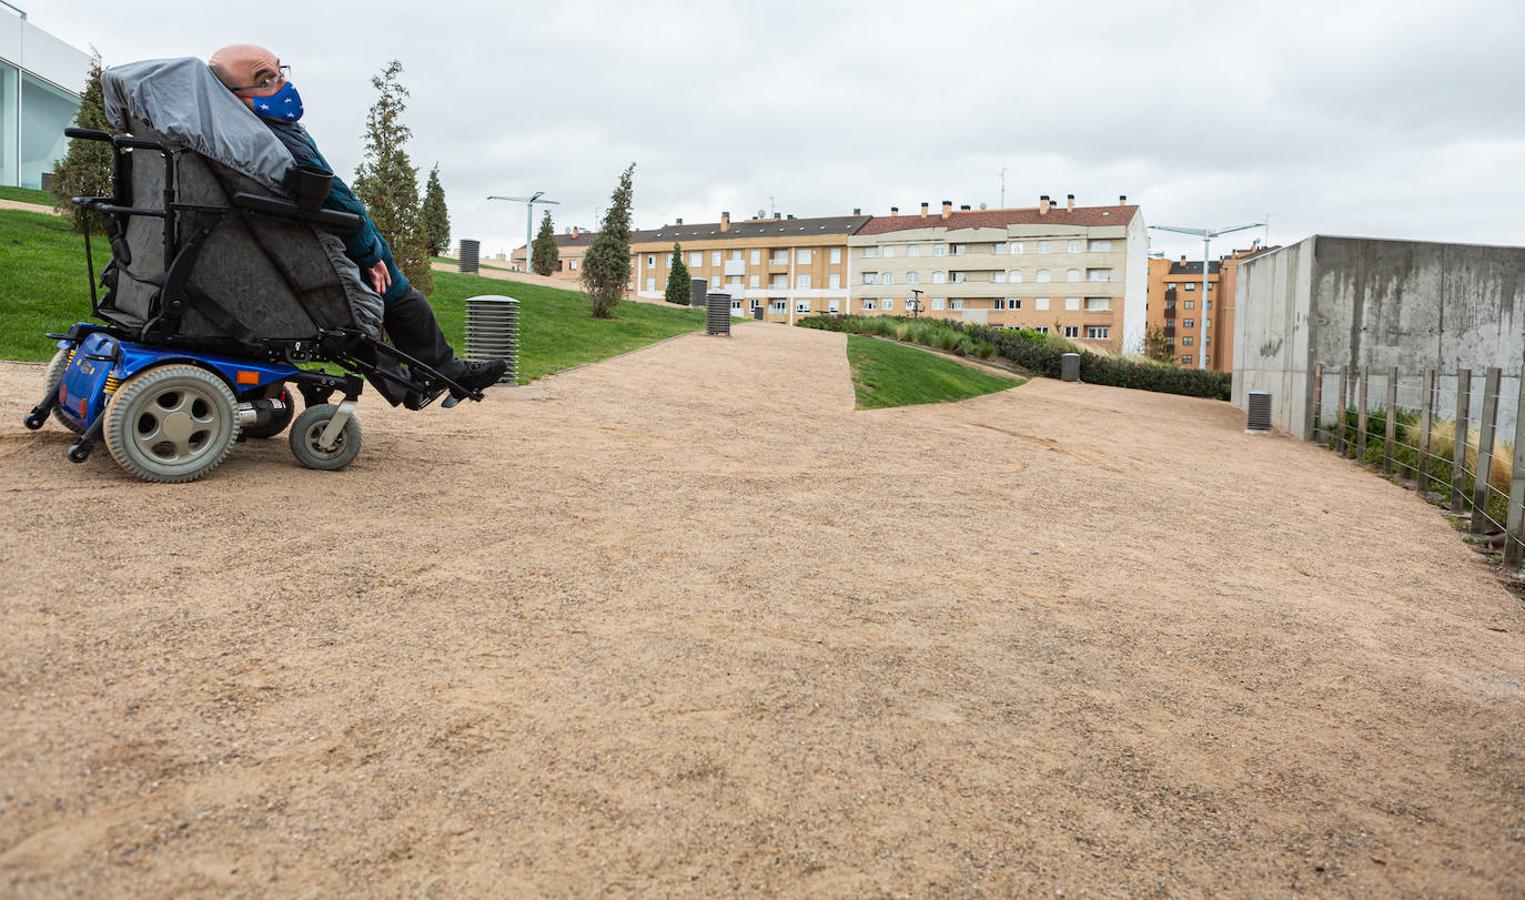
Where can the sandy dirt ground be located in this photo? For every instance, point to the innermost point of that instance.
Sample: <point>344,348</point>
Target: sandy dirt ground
<point>685,623</point>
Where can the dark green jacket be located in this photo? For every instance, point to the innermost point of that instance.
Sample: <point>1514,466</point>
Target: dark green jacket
<point>365,246</point>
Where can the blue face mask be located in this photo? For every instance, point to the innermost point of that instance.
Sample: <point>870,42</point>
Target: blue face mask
<point>285,105</point>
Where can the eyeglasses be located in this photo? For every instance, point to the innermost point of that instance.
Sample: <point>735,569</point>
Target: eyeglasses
<point>282,73</point>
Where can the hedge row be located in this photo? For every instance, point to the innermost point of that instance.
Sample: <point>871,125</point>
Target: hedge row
<point>1039,353</point>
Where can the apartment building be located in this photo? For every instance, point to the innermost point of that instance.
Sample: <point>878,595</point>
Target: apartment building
<point>785,267</point>
<point>571,245</point>
<point>1076,271</point>
<point>1197,324</point>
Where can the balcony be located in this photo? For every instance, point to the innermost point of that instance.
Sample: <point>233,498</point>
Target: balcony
<point>1170,297</point>
<point>1170,311</point>
<point>1170,329</point>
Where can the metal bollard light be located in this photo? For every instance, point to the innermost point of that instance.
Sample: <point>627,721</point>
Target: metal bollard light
<point>471,252</point>
<point>1069,367</point>
<point>492,332</point>
<point>717,316</point>
<point>697,291</point>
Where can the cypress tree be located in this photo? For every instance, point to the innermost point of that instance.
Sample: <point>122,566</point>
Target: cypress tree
<point>678,287</point>
<point>606,267</point>
<point>435,216</point>
<point>544,255</point>
<point>387,181</point>
<point>85,170</point>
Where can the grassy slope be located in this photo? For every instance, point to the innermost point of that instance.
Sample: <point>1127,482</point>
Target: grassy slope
<point>887,374</point>
<point>27,195</point>
<point>43,288</point>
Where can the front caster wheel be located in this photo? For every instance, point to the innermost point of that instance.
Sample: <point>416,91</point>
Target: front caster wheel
<point>34,421</point>
<point>307,439</point>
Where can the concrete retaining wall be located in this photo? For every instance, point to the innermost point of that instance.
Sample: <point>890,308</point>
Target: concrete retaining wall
<point>1378,303</point>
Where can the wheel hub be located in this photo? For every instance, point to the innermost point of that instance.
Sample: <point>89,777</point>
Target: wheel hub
<point>176,425</point>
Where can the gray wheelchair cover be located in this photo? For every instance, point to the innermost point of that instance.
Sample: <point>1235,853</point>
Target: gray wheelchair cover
<point>282,279</point>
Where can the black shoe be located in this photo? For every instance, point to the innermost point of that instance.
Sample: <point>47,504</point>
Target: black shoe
<point>478,375</point>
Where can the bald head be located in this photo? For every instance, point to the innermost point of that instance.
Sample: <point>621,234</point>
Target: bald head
<point>243,67</point>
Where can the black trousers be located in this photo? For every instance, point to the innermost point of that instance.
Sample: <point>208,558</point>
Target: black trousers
<point>410,323</point>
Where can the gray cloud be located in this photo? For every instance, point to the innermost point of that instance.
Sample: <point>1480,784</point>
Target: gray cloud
<point>1380,118</point>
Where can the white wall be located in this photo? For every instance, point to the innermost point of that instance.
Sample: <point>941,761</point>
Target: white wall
<point>1136,285</point>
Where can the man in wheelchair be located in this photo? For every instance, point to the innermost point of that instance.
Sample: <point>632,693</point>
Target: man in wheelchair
<point>256,77</point>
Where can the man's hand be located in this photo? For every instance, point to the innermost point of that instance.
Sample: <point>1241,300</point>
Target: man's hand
<point>381,279</point>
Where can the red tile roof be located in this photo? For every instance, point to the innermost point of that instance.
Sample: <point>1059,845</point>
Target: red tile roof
<point>1000,218</point>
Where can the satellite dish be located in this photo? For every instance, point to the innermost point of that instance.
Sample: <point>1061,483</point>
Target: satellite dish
<point>982,206</point>
<point>762,213</point>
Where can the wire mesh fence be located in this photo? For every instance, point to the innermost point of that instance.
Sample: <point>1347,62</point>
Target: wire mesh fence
<point>1450,435</point>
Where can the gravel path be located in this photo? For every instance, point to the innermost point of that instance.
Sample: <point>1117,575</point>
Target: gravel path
<point>685,623</point>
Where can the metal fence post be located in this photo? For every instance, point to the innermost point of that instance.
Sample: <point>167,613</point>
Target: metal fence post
<point>1482,477</point>
<point>1361,414</point>
<point>1516,524</point>
<point>1344,402</point>
<point>1426,420</point>
<point>1459,457</point>
<point>1318,399</point>
<point>1392,419</point>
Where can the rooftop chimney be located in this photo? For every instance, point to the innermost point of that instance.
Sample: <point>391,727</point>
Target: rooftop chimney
<point>791,216</point>
<point>924,205</point>
<point>1043,205</point>
<point>947,208</point>
<point>894,210</point>
<point>679,222</point>
<point>577,231</point>
<point>1069,201</point>
<point>1122,199</point>
<point>857,210</point>
<point>964,208</point>
<point>725,221</point>
<point>1183,259</point>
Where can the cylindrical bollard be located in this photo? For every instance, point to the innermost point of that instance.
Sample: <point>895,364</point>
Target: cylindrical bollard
<point>697,290</point>
<point>492,332</point>
<point>717,317</point>
<point>471,251</point>
<point>758,312</point>
<point>1258,412</point>
<point>1069,367</point>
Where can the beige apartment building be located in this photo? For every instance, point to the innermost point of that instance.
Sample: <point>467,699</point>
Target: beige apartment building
<point>1080,272</point>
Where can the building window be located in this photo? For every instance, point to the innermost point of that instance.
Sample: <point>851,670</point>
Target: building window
<point>1044,277</point>
<point>754,281</point>
<point>1098,274</point>
<point>1072,275</point>
<point>1101,246</point>
<point>939,277</point>
<point>735,256</point>
<point>956,303</point>
<point>802,282</point>
<point>802,256</point>
<point>1013,302</point>
<point>833,306</point>
<point>870,304</point>
<point>1097,332</point>
<point>802,306</point>
<point>1170,285</point>
<point>1207,304</point>
<point>1098,304</point>
<point>958,277</point>
<point>735,306</point>
<point>939,249</point>
<point>1043,246</point>
<point>1206,341</point>
<point>778,306</point>
<point>870,277</point>
<point>1186,341</point>
<point>886,277</point>
<point>754,304</point>
<point>836,254</point>
<point>574,265</point>
<point>913,250</point>
<point>756,257</point>
<point>1041,329</point>
<point>779,258</point>
<point>1186,359</point>
<point>886,304</point>
<point>1191,285</point>
<point>911,277</point>
<point>1014,276</point>
<point>651,261</point>
<point>960,249</point>
<point>889,252</point>
<point>1072,331</point>
<point>1000,249</point>
<point>1188,323</point>
<point>998,277</point>
<point>1041,304</point>
<point>1189,304</point>
<point>834,281</point>
<point>651,284</point>
<point>870,252</point>
<point>1076,246</point>
<point>695,259</point>
<point>715,282</point>
<point>1017,247</point>
<point>937,303</point>
<point>1072,304</point>
<point>714,257</point>
<point>998,303</point>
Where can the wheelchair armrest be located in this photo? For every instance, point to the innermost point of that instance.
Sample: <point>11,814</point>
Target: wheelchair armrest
<point>285,209</point>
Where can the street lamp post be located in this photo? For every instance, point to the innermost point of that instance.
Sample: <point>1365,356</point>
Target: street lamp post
<point>529,218</point>
<point>1207,235</point>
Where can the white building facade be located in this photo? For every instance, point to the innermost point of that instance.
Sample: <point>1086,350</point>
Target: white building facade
<point>41,78</point>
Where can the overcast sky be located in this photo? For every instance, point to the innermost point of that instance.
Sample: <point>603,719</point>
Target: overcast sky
<point>1390,119</point>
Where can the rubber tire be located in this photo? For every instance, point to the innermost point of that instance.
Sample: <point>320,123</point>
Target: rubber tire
<point>277,425</point>
<point>309,425</point>
<point>53,374</point>
<point>121,414</point>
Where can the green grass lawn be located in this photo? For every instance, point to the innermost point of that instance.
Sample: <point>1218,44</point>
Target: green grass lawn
<point>43,288</point>
<point>887,374</point>
<point>27,195</point>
